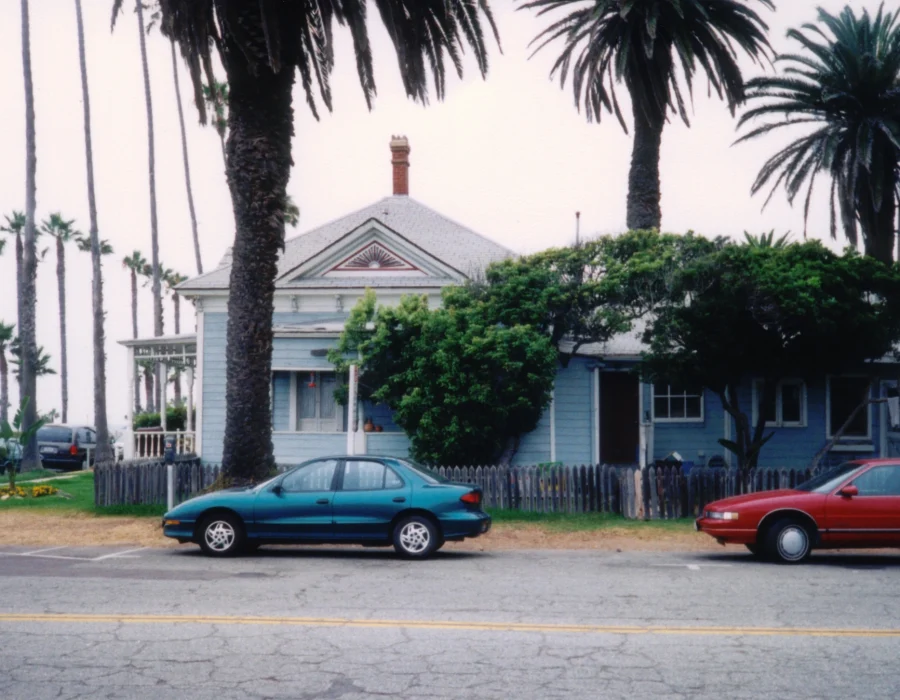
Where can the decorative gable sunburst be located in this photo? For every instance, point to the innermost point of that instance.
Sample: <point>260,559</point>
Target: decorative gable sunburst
<point>374,257</point>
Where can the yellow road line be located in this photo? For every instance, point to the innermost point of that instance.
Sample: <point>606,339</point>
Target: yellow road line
<point>448,625</point>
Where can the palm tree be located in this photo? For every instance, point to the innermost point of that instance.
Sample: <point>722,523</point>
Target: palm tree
<point>83,243</point>
<point>845,85</point>
<point>42,367</point>
<point>154,227</point>
<point>216,98</point>
<point>135,263</point>
<point>27,302</point>
<point>61,229</point>
<point>172,280</point>
<point>97,249</point>
<point>262,45</point>
<point>647,45</point>
<point>7,333</point>
<point>15,226</point>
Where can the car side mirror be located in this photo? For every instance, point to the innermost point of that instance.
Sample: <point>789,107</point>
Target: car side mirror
<point>278,489</point>
<point>849,491</point>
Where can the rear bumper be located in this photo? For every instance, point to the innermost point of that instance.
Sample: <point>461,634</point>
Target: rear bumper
<point>465,524</point>
<point>62,461</point>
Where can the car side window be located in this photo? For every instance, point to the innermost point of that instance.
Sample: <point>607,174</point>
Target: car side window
<point>83,436</point>
<point>879,481</point>
<point>317,476</point>
<point>361,475</point>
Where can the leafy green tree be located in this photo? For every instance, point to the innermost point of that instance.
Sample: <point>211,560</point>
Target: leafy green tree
<point>262,46</point>
<point>842,91</point>
<point>464,387</point>
<point>654,47</point>
<point>770,313</point>
<point>63,231</point>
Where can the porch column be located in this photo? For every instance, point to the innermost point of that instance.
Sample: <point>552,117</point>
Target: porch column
<point>190,399</point>
<point>352,408</point>
<point>595,415</point>
<point>128,452</point>
<point>163,400</point>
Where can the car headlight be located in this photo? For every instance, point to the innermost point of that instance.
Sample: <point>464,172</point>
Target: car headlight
<point>716,515</point>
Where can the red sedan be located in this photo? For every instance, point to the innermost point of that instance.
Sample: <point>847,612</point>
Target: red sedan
<point>854,505</point>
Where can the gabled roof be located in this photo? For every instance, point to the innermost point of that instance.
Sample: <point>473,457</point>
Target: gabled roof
<point>435,235</point>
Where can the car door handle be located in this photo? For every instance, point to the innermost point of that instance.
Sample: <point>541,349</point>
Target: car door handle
<point>400,499</point>
<point>323,502</point>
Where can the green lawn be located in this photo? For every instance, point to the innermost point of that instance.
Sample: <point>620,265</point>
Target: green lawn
<point>584,522</point>
<point>76,494</point>
<point>36,474</point>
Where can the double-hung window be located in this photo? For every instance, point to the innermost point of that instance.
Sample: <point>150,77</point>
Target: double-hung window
<point>845,394</point>
<point>785,408</point>
<point>316,407</point>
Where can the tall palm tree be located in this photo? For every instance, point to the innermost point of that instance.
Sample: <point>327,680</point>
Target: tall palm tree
<point>216,98</point>
<point>15,226</point>
<point>654,47</point>
<point>173,279</point>
<point>7,333</point>
<point>135,264</point>
<point>96,248</point>
<point>63,231</point>
<point>844,86</point>
<point>27,304</point>
<point>42,366</point>
<point>154,224</point>
<point>262,44</point>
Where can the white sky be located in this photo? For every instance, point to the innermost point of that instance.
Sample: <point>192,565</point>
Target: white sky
<point>510,157</point>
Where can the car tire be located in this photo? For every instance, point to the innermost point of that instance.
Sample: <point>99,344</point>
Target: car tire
<point>755,550</point>
<point>416,537</point>
<point>788,541</point>
<point>221,535</point>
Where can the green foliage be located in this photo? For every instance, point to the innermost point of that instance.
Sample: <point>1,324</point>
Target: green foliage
<point>176,419</point>
<point>23,436</point>
<point>464,386</point>
<point>843,90</point>
<point>771,312</point>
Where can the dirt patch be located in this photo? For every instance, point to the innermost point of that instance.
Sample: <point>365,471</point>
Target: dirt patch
<point>39,529</point>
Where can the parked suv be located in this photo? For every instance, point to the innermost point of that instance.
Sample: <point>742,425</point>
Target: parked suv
<point>66,446</point>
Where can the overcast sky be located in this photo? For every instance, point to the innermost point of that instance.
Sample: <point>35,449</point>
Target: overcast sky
<point>509,156</point>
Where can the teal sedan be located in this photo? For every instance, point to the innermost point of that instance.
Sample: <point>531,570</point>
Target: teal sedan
<point>372,501</point>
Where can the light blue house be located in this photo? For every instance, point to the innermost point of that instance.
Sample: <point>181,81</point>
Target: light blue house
<point>601,411</point>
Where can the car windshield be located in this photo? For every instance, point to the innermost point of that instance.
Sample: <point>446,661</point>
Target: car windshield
<point>427,474</point>
<point>54,434</point>
<point>829,480</point>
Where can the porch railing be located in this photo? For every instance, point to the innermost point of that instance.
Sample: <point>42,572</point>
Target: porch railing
<point>152,444</point>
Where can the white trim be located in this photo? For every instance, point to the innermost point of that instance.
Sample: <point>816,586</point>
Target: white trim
<point>779,403</point>
<point>692,419</point>
<point>128,452</point>
<point>292,408</point>
<point>595,416</point>
<point>859,447</point>
<point>884,419</point>
<point>828,431</point>
<point>201,334</point>
<point>553,424</point>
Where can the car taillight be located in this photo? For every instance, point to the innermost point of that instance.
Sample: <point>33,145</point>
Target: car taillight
<point>73,450</point>
<point>473,497</point>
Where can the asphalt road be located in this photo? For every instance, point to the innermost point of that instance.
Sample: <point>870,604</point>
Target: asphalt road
<point>354,623</point>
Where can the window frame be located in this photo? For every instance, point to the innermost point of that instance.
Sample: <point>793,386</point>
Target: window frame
<point>687,419</point>
<point>829,428</point>
<point>387,468</point>
<point>293,422</point>
<point>779,421</point>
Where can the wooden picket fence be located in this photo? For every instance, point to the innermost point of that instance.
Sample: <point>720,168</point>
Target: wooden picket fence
<point>656,493</point>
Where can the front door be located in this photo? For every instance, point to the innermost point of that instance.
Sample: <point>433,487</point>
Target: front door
<point>872,517</point>
<point>299,506</point>
<point>619,418</point>
<point>369,495</point>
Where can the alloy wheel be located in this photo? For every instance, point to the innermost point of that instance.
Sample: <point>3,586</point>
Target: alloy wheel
<point>219,536</point>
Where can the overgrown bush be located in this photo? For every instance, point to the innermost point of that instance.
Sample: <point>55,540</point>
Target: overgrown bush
<point>176,419</point>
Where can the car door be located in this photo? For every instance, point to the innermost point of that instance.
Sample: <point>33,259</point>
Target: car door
<point>298,506</point>
<point>873,516</point>
<point>369,495</point>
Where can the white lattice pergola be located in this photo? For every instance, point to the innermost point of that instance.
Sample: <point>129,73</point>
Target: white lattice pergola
<point>169,351</point>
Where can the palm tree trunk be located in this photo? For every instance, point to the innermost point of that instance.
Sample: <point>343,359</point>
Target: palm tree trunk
<point>187,166</point>
<point>148,388</point>
<point>20,261</point>
<point>104,450</point>
<point>643,178</point>
<point>63,359</point>
<point>4,387</point>
<point>27,320</point>
<point>878,226</point>
<point>134,334</point>
<point>259,163</point>
<point>176,302</point>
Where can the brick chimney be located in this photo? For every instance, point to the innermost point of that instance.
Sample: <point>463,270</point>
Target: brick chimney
<point>400,163</point>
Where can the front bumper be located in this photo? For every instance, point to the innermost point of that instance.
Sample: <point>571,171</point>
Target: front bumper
<point>725,532</point>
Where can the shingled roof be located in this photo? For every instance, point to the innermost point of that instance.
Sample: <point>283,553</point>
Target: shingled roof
<point>436,235</point>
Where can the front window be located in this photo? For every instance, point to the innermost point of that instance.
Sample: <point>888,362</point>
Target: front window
<point>829,480</point>
<point>879,481</point>
<point>317,476</point>
<point>785,408</point>
<point>672,402</point>
<point>845,394</point>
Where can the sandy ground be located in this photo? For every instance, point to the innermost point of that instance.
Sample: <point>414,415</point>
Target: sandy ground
<point>24,528</point>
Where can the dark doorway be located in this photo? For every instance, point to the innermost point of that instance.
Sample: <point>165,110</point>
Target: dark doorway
<point>619,418</point>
